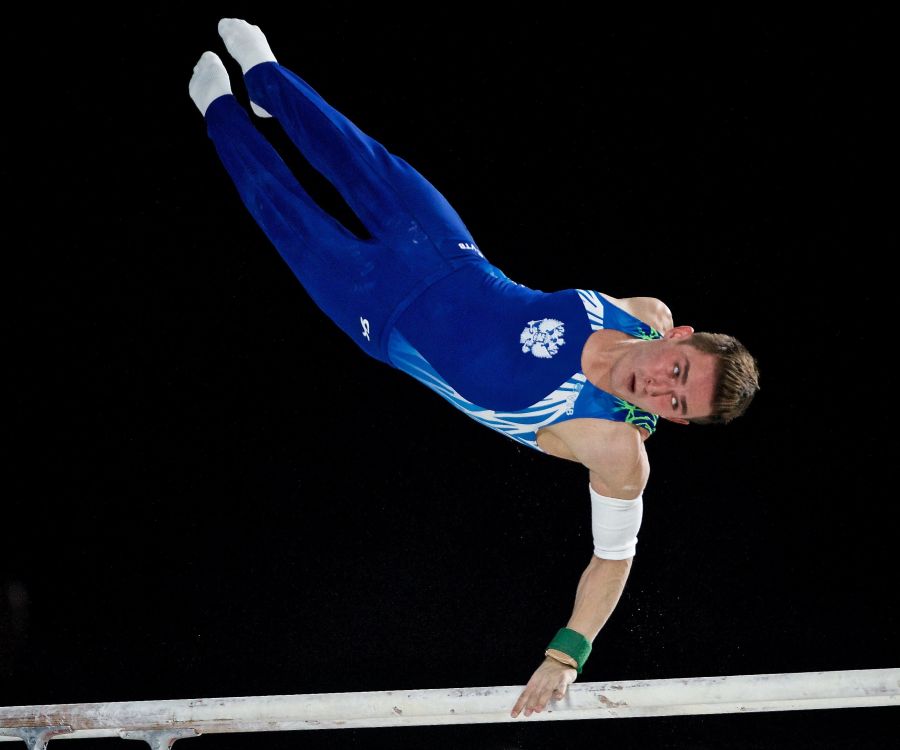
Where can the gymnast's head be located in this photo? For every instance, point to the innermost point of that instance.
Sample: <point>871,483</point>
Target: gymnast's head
<point>689,377</point>
<point>736,376</point>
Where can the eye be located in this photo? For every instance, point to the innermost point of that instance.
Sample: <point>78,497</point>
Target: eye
<point>676,371</point>
<point>674,402</point>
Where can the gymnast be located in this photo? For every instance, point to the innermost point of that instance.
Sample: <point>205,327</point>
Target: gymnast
<point>576,374</point>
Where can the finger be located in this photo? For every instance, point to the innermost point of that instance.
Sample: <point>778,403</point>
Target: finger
<point>519,704</point>
<point>546,698</point>
<point>540,702</point>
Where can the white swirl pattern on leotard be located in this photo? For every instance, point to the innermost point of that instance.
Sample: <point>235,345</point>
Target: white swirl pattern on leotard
<point>518,425</point>
<point>593,304</point>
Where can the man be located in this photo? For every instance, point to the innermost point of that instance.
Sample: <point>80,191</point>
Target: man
<point>576,374</point>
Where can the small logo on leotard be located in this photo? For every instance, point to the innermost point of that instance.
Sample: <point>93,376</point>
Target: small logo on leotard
<point>571,397</point>
<point>365,327</point>
<point>543,337</point>
<point>469,246</point>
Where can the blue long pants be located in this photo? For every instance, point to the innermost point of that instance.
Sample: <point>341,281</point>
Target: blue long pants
<point>363,285</point>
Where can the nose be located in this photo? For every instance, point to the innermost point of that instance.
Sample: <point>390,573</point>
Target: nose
<point>660,384</point>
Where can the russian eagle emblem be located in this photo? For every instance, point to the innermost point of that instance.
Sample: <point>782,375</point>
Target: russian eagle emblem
<point>543,337</point>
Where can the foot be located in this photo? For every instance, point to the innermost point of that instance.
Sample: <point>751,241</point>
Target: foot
<point>209,82</point>
<point>246,44</point>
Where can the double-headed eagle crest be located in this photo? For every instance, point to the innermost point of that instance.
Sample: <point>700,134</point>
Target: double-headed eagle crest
<point>543,337</point>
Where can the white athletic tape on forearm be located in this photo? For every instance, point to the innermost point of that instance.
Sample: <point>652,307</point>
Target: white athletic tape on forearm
<point>615,525</point>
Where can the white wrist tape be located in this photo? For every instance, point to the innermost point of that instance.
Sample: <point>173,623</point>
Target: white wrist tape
<point>615,525</point>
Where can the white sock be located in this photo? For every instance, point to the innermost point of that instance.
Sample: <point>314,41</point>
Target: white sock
<point>248,45</point>
<point>209,82</point>
<point>245,43</point>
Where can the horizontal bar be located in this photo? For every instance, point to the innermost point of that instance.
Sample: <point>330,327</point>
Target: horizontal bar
<point>474,705</point>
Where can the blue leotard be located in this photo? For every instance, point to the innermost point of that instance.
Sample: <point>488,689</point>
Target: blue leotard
<point>510,356</point>
<point>418,293</point>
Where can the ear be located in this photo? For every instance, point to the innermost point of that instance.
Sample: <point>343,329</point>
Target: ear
<point>679,332</point>
<point>676,420</point>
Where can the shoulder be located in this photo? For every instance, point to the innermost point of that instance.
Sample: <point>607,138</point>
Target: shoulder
<point>613,452</point>
<point>587,437</point>
<point>652,311</point>
<point>602,439</point>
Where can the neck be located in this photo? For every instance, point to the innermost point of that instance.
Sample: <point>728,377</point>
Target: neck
<point>603,352</point>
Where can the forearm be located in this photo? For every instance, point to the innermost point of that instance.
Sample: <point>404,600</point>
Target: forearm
<point>598,593</point>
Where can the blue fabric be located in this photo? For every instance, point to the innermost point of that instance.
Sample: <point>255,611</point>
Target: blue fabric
<point>361,284</point>
<point>417,294</point>
<point>510,356</point>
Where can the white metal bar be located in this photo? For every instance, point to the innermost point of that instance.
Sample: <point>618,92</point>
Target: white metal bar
<point>475,705</point>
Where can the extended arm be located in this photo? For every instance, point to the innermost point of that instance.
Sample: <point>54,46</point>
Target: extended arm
<point>616,490</point>
<point>598,593</point>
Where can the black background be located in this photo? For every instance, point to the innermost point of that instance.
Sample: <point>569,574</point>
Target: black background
<point>212,492</point>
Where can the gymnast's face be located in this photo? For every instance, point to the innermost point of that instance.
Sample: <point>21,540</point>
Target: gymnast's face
<point>668,376</point>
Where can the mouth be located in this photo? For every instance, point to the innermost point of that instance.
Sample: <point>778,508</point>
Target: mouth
<point>631,383</point>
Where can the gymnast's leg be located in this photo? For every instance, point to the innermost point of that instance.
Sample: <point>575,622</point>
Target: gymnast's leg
<point>390,197</point>
<point>330,262</point>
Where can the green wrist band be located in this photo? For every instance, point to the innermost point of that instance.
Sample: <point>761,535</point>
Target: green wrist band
<point>572,643</point>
